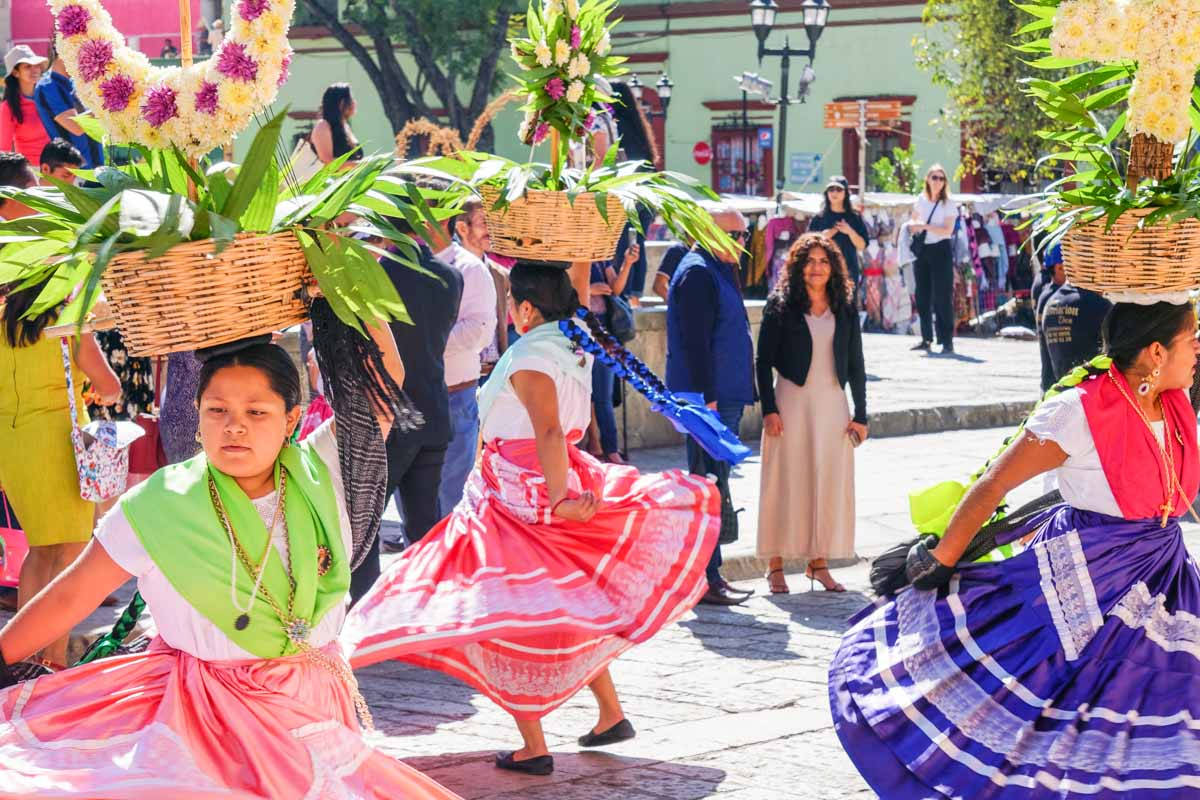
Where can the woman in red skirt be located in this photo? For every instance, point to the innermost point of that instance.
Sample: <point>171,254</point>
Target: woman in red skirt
<point>553,563</point>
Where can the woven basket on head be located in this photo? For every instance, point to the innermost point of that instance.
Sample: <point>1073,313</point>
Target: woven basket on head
<point>546,226</point>
<point>193,297</point>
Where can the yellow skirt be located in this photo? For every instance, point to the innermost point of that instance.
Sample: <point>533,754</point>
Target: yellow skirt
<point>37,472</point>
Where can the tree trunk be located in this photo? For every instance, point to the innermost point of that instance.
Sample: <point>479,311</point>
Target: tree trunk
<point>1149,158</point>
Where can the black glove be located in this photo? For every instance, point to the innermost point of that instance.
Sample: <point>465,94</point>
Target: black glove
<point>923,570</point>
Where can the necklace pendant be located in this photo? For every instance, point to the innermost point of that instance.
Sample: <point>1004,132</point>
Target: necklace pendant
<point>324,560</point>
<point>242,622</point>
<point>297,630</point>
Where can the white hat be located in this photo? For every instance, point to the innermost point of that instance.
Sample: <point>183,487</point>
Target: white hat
<point>21,54</point>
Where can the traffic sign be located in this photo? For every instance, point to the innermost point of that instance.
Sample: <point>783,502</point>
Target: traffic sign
<point>849,113</point>
<point>702,152</point>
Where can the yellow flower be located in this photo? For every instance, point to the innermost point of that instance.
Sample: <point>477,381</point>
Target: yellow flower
<point>580,67</point>
<point>552,8</point>
<point>236,97</point>
<point>542,51</point>
<point>575,91</point>
<point>604,45</point>
<point>572,8</point>
<point>562,52</point>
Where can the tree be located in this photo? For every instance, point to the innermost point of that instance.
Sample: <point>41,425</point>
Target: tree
<point>456,44</point>
<point>967,48</point>
<point>898,174</point>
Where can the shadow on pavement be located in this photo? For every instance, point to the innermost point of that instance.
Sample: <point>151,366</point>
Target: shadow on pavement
<point>827,611</point>
<point>400,694</point>
<point>956,357</point>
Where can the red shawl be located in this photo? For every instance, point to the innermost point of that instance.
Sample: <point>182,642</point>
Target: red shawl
<point>1129,452</point>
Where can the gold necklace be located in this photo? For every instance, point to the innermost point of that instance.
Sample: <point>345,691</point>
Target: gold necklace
<point>1168,457</point>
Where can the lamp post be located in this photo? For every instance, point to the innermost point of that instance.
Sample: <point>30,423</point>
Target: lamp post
<point>750,83</point>
<point>663,86</point>
<point>762,19</point>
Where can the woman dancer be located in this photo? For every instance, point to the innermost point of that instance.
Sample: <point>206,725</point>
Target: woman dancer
<point>1072,669</point>
<point>554,563</point>
<point>244,555</point>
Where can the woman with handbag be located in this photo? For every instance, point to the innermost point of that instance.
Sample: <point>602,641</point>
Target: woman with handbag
<point>810,336</point>
<point>605,291</point>
<point>932,227</point>
<point>37,462</point>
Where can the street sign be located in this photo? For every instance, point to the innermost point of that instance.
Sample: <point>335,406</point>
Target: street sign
<point>702,153</point>
<point>849,113</point>
<point>804,168</point>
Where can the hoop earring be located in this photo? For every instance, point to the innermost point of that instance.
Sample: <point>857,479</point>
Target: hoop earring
<point>198,438</point>
<point>1149,382</point>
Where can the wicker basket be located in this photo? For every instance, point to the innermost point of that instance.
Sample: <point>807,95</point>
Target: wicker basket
<point>193,297</point>
<point>1159,258</point>
<point>545,226</point>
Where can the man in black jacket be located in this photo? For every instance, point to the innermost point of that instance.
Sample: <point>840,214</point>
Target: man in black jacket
<point>415,458</point>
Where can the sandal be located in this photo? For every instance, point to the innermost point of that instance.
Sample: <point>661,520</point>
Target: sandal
<point>781,587</point>
<point>813,570</point>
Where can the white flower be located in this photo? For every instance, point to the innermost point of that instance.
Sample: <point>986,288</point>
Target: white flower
<point>542,51</point>
<point>580,67</point>
<point>562,52</point>
<point>552,8</point>
<point>526,128</point>
<point>575,91</point>
<point>572,9</point>
<point>604,45</point>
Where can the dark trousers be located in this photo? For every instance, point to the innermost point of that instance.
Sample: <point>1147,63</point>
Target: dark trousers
<point>414,475</point>
<point>934,273</point>
<point>602,400</point>
<point>701,463</point>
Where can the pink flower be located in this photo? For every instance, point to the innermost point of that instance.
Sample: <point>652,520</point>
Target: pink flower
<point>589,120</point>
<point>160,106</point>
<point>285,71</point>
<point>206,98</point>
<point>541,133</point>
<point>233,62</point>
<point>116,92</point>
<point>576,37</point>
<point>73,20</point>
<point>555,88</point>
<point>251,10</point>
<point>94,57</point>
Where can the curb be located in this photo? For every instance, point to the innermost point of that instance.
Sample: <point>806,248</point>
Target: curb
<point>935,419</point>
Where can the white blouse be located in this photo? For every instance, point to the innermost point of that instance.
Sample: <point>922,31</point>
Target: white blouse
<point>508,419</point>
<point>1081,477</point>
<point>179,624</point>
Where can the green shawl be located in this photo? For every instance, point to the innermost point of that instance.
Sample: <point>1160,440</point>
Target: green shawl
<point>173,516</point>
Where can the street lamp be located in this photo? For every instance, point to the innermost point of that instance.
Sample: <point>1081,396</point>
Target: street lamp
<point>750,83</point>
<point>664,86</point>
<point>762,20</point>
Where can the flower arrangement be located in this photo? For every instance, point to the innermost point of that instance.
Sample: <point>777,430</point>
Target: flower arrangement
<point>195,109</point>
<point>568,45</point>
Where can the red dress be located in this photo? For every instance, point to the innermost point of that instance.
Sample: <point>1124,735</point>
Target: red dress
<point>529,608</point>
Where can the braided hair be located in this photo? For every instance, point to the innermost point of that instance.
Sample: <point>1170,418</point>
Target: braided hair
<point>609,351</point>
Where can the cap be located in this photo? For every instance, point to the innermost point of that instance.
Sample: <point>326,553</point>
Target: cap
<point>838,180</point>
<point>22,54</point>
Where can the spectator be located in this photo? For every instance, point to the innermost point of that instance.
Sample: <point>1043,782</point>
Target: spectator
<point>169,50</point>
<point>668,265</point>
<point>501,340</point>
<point>635,139</point>
<point>216,35</point>
<point>810,336</point>
<point>606,282</point>
<point>21,130</point>
<point>331,136</point>
<point>37,464</point>
<point>57,105</point>
<point>1071,320</point>
<point>470,336</point>
<point>178,419</point>
<point>415,458</point>
<point>838,220</point>
<point>58,158</point>
<point>203,45</point>
<point>710,352</point>
<point>934,215</point>
<point>1052,278</point>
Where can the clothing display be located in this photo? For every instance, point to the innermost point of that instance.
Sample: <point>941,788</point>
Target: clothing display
<point>780,235</point>
<point>522,605</point>
<point>1066,671</point>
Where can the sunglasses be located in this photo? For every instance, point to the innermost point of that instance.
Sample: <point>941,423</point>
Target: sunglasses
<point>739,236</point>
<point>937,177</point>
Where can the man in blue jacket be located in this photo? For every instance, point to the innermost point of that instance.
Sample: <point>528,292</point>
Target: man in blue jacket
<point>710,352</point>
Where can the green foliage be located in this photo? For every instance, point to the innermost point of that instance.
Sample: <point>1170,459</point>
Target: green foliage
<point>898,174</point>
<point>145,207</point>
<point>968,48</point>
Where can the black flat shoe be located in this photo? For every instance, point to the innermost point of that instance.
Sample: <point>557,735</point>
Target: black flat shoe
<point>731,589</point>
<point>720,596</point>
<point>923,345</point>
<point>617,733</point>
<point>538,765</point>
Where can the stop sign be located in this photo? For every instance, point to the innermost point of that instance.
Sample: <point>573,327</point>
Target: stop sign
<point>702,153</point>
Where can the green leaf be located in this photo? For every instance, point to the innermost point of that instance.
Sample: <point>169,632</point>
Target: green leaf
<point>254,168</point>
<point>260,214</point>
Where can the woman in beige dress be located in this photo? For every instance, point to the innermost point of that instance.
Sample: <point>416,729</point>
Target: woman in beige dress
<point>809,348</point>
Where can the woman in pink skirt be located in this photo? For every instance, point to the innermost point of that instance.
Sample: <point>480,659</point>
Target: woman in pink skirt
<point>554,563</point>
<point>243,554</point>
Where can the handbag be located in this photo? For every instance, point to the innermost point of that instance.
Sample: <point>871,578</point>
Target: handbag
<point>917,242</point>
<point>146,455</point>
<point>101,450</point>
<point>13,546</point>
<point>618,318</point>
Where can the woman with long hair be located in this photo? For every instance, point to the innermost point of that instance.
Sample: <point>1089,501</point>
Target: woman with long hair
<point>21,128</point>
<point>932,223</point>
<point>1071,669</point>
<point>840,222</point>
<point>243,554</point>
<point>331,136</point>
<point>635,137</point>
<point>809,348</point>
<point>554,563</point>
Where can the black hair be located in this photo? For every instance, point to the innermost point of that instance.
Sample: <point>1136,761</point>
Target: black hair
<point>14,171</point>
<point>468,208</point>
<point>630,127</point>
<point>847,206</point>
<point>60,153</point>
<point>12,96</point>
<point>333,111</point>
<point>270,359</point>
<point>1129,328</point>
<point>25,332</point>
<point>546,285</point>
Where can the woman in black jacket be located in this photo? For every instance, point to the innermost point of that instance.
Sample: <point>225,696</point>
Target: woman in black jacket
<point>810,336</point>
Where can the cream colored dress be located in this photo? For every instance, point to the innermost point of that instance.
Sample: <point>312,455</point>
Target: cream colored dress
<point>806,499</point>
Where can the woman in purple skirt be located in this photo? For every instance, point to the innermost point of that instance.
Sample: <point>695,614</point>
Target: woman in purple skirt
<point>1071,670</point>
